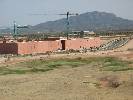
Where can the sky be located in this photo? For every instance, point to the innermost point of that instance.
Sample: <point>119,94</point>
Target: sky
<point>23,11</point>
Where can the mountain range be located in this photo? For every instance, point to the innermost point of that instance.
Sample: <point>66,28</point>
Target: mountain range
<point>92,21</point>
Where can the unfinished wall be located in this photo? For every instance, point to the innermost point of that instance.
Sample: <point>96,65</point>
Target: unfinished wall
<point>8,48</point>
<point>32,47</point>
<point>83,43</point>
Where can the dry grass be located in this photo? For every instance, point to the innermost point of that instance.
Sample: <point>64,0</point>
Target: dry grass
<point>34,66</point>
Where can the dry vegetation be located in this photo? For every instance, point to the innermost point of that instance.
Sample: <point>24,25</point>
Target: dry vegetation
<point>42,65</point>
<point>68,78</point>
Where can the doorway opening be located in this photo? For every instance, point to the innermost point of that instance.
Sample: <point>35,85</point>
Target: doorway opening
<point>63,44</point>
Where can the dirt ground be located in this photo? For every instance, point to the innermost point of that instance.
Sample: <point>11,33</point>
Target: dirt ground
<point>69,83</point>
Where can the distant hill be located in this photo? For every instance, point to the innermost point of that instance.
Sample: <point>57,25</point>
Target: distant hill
<point>96,21</point>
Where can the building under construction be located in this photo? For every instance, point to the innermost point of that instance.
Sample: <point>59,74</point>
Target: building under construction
<point>51,44</point>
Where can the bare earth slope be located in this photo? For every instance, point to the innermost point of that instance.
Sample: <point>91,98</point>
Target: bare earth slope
<point>64,84</point>
<point>129,45</point>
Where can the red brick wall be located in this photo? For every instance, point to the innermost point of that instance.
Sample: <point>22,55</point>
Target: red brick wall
<point>83,43</point>
<point>43,46</point>
<point>8,48</point>
<point>37,46</point>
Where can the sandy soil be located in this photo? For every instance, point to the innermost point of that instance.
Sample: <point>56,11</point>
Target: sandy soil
<point>65,84</point>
